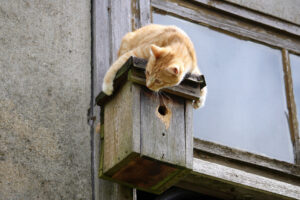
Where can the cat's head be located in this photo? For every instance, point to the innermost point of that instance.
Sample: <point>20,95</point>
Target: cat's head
<point>164,68</point>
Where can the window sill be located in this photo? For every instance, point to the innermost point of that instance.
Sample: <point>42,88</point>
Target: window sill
<point>233,174</point>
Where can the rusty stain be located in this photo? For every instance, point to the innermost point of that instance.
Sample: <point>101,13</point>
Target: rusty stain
<point>166,117</point>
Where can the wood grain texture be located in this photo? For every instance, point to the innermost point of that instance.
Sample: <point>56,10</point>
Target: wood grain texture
<point>136,118</point>
<point>246,179</point>
<point>253,16</point>
<point>222,189</point>
<point>107,18</point>
<point>221,153</point>
<point>189,134</point>
<point>229,24</point>
<point>158,141</point>
<point>293,122</point>
<point>145,12</point>
<point>117,134</point>
<point>120,23</point>
<point>100,63</point>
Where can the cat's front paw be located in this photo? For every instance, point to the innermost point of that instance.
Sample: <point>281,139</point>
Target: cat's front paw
<point>197,104</point>
<point>107,88</point>
<point>200,102</point>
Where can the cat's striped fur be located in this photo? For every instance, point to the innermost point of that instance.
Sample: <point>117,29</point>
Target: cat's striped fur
<point>170,54</point>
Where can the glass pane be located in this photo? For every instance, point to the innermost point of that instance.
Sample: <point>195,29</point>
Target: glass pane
<point>246,104</point>
<point>295,68</point>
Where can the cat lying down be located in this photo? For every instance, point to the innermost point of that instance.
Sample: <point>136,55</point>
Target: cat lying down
<point>170,54</point>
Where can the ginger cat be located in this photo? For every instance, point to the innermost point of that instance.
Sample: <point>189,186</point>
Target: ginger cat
<point>170,54</point>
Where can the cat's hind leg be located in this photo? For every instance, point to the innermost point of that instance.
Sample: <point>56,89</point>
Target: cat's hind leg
<point>107,86</point>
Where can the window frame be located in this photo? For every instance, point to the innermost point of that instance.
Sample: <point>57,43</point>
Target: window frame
<point>260,28</point>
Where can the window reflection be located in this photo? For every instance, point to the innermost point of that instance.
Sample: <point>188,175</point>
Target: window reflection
<point>295,68</point>
<point>246,105</point>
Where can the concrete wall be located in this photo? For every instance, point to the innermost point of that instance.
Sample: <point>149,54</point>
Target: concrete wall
<point>285,9</point>
<point>44,96</point>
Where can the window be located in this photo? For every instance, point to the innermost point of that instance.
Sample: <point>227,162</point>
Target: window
<point>246,132</point>
<point>246,106</point>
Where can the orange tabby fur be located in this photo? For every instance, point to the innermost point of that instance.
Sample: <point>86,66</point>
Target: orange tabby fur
<point>170,54</point>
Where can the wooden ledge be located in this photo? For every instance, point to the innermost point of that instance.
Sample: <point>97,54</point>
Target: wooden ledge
<point>134,70</point>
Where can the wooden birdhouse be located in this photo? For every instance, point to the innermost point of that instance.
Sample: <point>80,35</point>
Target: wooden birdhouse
<point>146,138</point>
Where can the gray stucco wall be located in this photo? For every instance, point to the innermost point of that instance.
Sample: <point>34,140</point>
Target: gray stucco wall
<point>44,96</point>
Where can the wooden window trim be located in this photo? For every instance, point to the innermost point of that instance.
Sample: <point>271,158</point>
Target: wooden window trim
<point>232,182</point>
<point>246,13</point>
<point>241,173</point>
<point>230,24</point>
<point>219,153</point>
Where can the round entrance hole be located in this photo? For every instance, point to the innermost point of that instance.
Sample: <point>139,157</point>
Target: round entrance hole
<point>162,110</point>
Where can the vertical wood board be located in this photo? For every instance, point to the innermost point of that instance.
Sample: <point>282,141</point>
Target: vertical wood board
<point>118,128</point>
<point>145,12</point>
<point>157,141</point>
<point>100,63</point>
<point>136,118</point>
<point>120,24</point>
<point>189,134</point>
<point>108,17</point>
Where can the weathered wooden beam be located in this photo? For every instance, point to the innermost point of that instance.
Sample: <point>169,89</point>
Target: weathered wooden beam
<point>221,153</point>
<point>252,15</point>
<point>293,122</point>
<point>227,23</point>
<point>274,188</point>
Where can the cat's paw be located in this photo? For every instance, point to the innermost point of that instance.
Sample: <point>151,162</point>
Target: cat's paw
<point>107,88</point>
<point>197,104</point>
<point>200,102</point>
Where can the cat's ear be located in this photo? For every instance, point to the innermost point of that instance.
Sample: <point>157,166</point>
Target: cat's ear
<point>157,51</point>
<point>174,70</point>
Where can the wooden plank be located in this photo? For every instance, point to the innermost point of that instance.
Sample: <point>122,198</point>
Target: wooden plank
<point>100,62</point>
<point>188,115</point>
<point>222,190</point>
<point>245,179</point>
<point>117,134</point>
<point>136,118</point>
<point>293,122</point>
<point>103,16</point>
<point>145,12</point>
<point>184,90</point>
<point>253,16</point>
<point>162,135</point>
<point>289,11</point>
<point>121,192</point>
<point>228,24</point>
<point>219,152</point>
<point>120,23</point>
